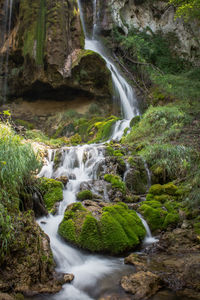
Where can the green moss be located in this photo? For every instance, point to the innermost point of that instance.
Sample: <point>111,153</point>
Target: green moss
<point>24,123</point>
<point>156,189</point>
<point>90,237</point>
<point>170,188</point>
<point>52,191</point>
<point>171,219</point>
<point>134,121</point>
<point>117,230</point>
<point>67,230</point>
<point>154,216</point>
<point>76,139</point>
<point>84,195</point>
<point>110,151</point>
<point>116,182</point>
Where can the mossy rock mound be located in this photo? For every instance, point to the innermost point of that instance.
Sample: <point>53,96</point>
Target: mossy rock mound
<point>116,182</point>
<point>52,191</point>
<point>111,229</point>
<point>85,195</point>
<point>161,206</point>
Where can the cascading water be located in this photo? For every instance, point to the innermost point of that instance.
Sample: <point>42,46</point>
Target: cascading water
<point>95,275</point>
<point>4,47</point>
<point>123,92</point>
<point>81,164</point>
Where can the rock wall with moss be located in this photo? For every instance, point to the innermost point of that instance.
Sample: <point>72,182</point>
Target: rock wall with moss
<point>46,45</point>
<point>152,16</point>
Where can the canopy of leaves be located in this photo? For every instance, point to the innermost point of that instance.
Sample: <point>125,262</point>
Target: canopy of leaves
<point>188,9</point>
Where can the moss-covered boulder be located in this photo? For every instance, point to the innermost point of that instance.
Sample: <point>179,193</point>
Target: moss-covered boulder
<point>52,191</point>
<point>136,178</point>
<point>103,228</point>
<point>84,195</point>
<point>161,208</point>
<point>116,182</point>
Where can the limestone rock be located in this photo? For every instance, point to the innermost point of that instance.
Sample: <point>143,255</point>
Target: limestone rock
<point>68,278</point>
<point>142,284</point>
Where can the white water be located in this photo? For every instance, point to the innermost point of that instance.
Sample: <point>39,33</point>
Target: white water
<point>95,275</point>
<point>149,239</point>
<point>80,163</point>
<point>122,91</point>
<point>8,7</point>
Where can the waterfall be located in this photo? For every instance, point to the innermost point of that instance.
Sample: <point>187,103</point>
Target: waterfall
<point>123,93</point>
<point>4,47</point>
<point>95,275</point>
<point>80,163</point>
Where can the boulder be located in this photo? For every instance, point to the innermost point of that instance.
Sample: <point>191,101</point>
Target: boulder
<point>142,285</point>
<point>101,227</point>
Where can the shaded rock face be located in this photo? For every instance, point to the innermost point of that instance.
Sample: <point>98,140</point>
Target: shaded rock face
<point>29,266</point>
<point>158,16</point>
<point>46,52</point>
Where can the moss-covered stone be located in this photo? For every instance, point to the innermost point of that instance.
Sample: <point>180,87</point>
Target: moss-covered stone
<point>116,230</point>
<point>84,195</point>
<point>52,191</point>
<point>155,217</point>
<point>116,182</point>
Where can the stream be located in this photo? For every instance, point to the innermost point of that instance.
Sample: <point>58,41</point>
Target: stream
<point>95,275</point>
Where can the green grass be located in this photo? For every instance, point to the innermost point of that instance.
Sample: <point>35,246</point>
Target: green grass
<point>17,159</point>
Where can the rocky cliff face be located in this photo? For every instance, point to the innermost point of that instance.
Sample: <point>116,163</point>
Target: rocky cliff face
<point>46,51</point>
<point>154,16</point>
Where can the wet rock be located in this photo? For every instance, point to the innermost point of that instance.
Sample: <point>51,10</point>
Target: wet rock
<point>29,267</point>
<point>102,227</point>
<point>68,278</point>
<point>64,179</point>
<point>138,261</point>
<point>142,285</point>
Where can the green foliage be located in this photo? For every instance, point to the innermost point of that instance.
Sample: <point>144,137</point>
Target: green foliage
<point>51,190</point>
<point>161,206</point>
<point>85,195</point>
<point>17,160</point>
<point>110,151</point>
<point>117,230</point>
<point>116,182</point>
<point>187,9</point>
<point>174,160</point>
<point>154,216</point>
<point>24,123</point>
<point>182,86</point>
<point>6,231</point>
<point>151,48</point>
<point>156,120</point>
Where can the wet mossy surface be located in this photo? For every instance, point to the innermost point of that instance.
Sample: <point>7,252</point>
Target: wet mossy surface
<point>161,208</point>
<point>84,195</point>
<point>117,230</point>
<point>51,190</point>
